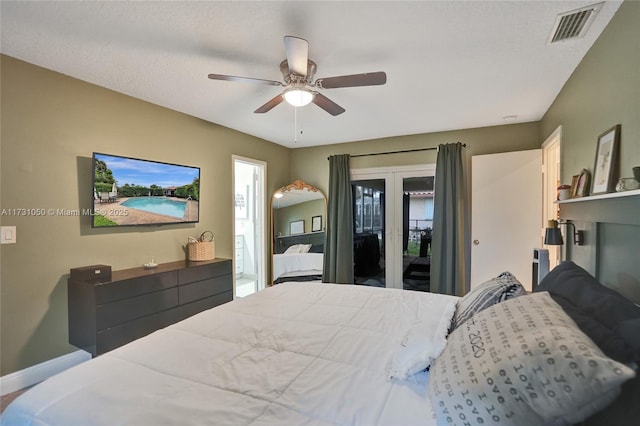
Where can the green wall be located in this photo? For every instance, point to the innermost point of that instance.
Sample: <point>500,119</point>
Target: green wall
<point>51,124</point>
<point>311,165</point>
<point>303,211</point>
<point>603,91</point>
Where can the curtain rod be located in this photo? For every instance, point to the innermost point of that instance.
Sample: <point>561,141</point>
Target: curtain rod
<point>464,145</point>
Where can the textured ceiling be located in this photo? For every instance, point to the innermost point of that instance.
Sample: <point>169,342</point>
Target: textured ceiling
<point>450,65</point>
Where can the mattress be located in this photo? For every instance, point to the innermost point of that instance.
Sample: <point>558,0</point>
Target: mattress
<point>295,353</point>
<point>303,263</point>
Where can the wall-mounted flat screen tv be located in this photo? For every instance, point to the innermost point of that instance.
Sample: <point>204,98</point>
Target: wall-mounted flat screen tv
<point>132,191</point>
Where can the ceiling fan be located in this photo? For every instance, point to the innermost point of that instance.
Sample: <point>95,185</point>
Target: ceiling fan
<point>298,72</point>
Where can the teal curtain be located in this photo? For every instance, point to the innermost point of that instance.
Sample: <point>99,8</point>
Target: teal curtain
<point>450,259</point>
<point>338,248</point>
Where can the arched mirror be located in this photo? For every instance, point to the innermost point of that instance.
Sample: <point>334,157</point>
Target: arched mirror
<point>298,217</point>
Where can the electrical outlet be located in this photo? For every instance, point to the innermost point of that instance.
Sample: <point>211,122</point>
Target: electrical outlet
<point>7,234</point>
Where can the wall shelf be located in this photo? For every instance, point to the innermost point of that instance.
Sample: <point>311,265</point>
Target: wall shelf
<point>615,207</point>
<point>601,196</point>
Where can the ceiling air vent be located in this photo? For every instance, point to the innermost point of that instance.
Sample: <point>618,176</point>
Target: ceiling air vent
<point>573,24</point>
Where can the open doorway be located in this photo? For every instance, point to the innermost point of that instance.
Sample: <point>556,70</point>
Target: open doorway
<point>550,182</point>
<point>249,225</point>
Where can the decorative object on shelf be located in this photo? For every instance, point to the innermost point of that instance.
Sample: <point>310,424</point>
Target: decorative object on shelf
<point>553,236</point>
<point>627,184</point>
<point>151,265</point>
<point>605,167</point>
<point>574,185</point>
<point>564,192</point>
<point>316,223</point>
<point>636,173</point>
<point>296,227</point>
<point>582,187</point>
<point>202,248</point>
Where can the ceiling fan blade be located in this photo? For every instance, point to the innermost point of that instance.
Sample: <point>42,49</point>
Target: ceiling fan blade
<point>327,104</point>
<point>244,79</point>
<point>270,104</point>
<point>297,54</point>
<point>353,80</point>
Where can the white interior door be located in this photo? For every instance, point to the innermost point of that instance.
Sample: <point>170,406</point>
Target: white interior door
<point>506,205</point>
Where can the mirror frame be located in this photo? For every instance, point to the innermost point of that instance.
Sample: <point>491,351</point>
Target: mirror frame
<point>296,185</point>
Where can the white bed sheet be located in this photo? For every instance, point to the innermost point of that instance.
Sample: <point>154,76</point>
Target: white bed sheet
<point>295,353</point>
<point>296,262</point>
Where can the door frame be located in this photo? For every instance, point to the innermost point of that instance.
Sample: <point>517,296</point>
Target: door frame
<point>393,229</point>
<point>260,237</point>
<point>549,192</point>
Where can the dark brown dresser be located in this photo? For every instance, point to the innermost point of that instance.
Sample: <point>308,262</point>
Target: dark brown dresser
<point>107,310</point>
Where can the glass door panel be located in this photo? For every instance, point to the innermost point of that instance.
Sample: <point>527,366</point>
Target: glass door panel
<point>417,226</point>
<point>368,237</point>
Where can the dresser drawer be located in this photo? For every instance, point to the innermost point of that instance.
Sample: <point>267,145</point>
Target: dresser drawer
<point>203,304</point>
<point>198,273</point>
<point>122,311</point>
<point>201,289</point>
<point>109,292</point>
<point>114,337</point>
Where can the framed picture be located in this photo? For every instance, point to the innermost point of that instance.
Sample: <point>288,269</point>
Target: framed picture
<point>604,169</point>
<point>584,178</point>
<point>296,227</point>
<point>316,223</point>
<point>241,197</point>
<point>574,185</point>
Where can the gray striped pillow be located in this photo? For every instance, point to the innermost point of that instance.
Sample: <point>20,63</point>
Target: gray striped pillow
<point>504,286</point>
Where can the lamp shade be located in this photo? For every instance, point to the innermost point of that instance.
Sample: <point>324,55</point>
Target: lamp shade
<point>298,97</point>
<point>552,234</point>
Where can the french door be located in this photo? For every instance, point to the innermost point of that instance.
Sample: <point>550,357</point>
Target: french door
<point>393,219</point>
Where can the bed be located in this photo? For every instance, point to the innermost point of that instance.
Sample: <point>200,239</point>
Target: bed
<point>295,353</point>
<point>290,266</point>
<point>321,354</point>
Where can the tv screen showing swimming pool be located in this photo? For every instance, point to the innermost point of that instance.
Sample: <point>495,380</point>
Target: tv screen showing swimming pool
<point>131,191</point>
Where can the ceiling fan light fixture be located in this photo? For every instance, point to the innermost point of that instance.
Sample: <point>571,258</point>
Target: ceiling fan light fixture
<point>298,97</point>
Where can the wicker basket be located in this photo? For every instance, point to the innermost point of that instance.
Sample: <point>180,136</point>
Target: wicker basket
<point>202,250</point>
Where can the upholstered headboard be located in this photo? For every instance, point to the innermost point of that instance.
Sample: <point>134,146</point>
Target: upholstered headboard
<point>611,251</point>
<point>316,239</point>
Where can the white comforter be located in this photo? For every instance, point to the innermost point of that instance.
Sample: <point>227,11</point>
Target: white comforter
<point>297,262</point>
<point>295,353</point>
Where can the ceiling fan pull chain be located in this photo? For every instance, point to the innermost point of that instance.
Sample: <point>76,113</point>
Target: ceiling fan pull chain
<point>295,124</point>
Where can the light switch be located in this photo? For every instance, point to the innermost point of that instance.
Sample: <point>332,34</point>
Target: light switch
<point>7,235</point>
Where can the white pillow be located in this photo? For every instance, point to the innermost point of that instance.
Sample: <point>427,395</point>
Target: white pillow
<point>298,248</point>
<point>522,362</point>
<point>304,248</point>
<point>294,249</point>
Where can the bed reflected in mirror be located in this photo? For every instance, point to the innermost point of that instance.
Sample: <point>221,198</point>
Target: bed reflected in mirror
<point>298,216</point>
